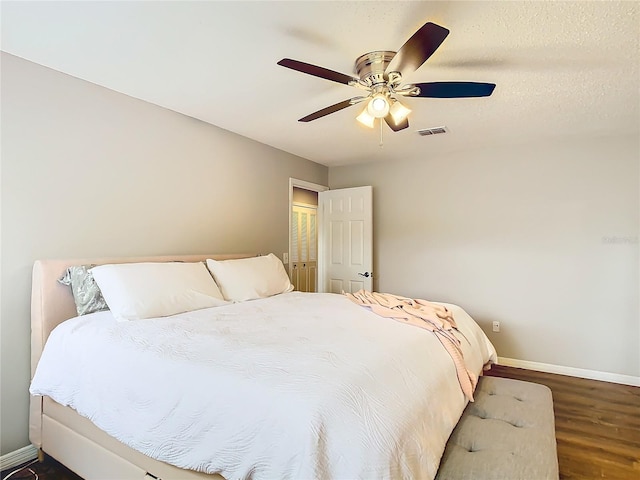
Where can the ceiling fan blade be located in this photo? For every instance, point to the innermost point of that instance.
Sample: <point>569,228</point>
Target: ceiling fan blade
<point>317,71</point>
<point>417,49</point>
<point>455,89</point>
<point>332,109</point>
<point>396,127</point>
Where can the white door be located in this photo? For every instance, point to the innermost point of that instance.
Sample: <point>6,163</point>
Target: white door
<point>346,240</point>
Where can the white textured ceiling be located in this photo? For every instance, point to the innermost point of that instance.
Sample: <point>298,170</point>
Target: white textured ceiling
<point>561,68</point>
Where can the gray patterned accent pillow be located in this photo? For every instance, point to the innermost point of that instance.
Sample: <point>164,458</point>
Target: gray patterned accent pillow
<point>86,292</point>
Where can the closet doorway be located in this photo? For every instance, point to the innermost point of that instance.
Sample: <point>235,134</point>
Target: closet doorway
<point>303,235</point>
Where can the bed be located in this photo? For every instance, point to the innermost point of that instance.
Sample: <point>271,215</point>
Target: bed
<point>333,404</point>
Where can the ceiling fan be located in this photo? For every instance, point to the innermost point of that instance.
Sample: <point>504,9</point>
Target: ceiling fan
<point>380,74</point>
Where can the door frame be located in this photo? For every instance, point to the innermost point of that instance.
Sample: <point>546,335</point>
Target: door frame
<point>314,187</point>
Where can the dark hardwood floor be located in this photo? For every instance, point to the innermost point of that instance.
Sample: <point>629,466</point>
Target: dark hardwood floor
<point>47,470</point>
<point>597,428</point>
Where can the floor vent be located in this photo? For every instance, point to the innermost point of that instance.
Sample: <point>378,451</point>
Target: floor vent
<point>432,131</point>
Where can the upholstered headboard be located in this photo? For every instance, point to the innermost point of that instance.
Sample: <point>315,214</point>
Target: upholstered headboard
<point>52,303</point>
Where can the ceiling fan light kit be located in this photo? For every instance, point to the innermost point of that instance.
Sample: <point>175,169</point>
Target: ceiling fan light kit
<point>398,111</point>
<point>378,106</point>
<point>366,119</point>
<point>380,74</point>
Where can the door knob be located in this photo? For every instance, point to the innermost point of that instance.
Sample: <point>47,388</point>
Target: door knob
<point>365,274</point>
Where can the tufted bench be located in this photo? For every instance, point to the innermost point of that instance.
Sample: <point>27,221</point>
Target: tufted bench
<point>508,433</point>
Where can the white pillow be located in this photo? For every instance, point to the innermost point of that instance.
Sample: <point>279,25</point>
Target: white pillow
<point>250,278</point>
<point>147,290</point>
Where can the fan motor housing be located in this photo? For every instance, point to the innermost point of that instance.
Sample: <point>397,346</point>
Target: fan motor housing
<point>371,66</point>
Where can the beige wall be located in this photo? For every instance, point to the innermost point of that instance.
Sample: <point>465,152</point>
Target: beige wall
<point>90,172</point>
<point>543,238</point>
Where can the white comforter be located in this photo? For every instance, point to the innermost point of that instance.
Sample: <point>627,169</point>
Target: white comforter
<point>301,386</point>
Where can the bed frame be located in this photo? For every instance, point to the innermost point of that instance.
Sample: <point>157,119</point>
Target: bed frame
<point>528,451</point>
<point>59,431</point>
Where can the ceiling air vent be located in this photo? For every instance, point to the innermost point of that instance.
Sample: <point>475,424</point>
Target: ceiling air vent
<point>432,131</point>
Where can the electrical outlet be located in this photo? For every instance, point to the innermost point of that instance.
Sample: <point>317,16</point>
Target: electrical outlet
<point>496,326</point>
<point>285,258</point>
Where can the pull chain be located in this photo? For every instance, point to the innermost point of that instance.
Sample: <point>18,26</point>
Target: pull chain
<point>381,130</point>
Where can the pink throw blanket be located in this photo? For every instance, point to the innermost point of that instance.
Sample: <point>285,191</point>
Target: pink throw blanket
<point>423,314</point>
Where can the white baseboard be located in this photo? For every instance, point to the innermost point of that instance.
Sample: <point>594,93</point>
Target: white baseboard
<point>18,457</point>
<point>571,371</point>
